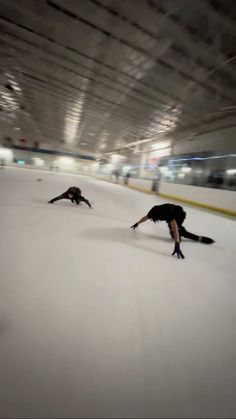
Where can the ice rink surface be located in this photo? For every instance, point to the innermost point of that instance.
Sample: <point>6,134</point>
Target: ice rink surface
<point>97,320</point>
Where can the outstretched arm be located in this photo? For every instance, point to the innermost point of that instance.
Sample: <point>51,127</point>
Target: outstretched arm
<point>142,220</point>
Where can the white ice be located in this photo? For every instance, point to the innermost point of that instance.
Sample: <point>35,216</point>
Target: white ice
<point>97,320</point>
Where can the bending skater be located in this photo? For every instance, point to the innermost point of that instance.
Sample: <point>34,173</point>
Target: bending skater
<point>174,215</point>
<point>74,194</point>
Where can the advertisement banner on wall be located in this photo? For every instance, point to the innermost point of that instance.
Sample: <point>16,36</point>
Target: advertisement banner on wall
<point>152,162</point>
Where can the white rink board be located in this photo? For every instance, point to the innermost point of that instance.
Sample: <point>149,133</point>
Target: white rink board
<point>219,198</point>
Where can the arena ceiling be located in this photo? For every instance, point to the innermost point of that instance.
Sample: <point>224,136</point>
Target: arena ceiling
<point>97,75</point>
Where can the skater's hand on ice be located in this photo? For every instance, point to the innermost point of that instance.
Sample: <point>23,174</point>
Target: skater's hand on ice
<point>134,226</point>
<point>50,202</point>
<point>177,251</point>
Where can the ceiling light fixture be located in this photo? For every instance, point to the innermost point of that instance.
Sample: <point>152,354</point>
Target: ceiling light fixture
<point>66,160</point>
<point>231,172</point>
<point>186,169</point>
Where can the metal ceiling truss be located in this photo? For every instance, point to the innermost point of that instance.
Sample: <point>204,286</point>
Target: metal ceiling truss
<point>115,74</point>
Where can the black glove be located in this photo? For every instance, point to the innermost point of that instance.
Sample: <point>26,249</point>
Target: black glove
<point>50,202</point>
<point>177,251</point>
<point>134,226</point>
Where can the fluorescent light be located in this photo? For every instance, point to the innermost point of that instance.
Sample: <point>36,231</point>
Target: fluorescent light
<point>72,124</point>
<point>203,158</point>
<point>6,154</point>
<point>38,161</point>
<point>231,172</point>
<point>161,145</point>
<point>186,169</point>
<point>66,160</point>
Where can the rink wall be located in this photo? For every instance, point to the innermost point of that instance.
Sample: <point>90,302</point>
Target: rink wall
<point>43,159</point>
<point>219,200</point>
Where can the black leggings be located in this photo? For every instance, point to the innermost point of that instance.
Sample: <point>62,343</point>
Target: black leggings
<point>182,231</point>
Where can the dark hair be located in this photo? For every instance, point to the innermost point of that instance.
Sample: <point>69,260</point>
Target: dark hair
<point>154,220</point>
<point>153,215</point>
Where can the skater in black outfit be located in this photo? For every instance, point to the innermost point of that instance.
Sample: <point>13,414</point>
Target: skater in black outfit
<point>174,215</point>
<point>74,194</point>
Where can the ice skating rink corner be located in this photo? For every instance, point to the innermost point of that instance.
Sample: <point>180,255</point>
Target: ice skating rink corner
<point>97,320</point>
